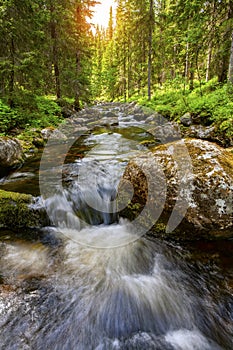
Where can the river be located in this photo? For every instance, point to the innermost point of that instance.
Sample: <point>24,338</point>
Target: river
<point>89,281</point>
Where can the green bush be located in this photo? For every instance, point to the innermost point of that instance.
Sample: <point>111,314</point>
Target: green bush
<point>29,111</point>
<point>8,118</point>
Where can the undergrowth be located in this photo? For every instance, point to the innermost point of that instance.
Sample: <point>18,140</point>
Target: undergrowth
<point>209,103</point>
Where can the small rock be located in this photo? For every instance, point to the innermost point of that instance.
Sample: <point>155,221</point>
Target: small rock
<point>202,132</point>
<point>110,115</point>
<point>186,119</point>
<point>52,133</point>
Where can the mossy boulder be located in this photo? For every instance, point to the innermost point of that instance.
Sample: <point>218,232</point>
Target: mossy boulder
<point>186,187</point>
<point>17,210</point>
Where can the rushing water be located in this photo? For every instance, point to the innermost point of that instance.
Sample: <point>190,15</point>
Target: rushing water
<point>89,282</point>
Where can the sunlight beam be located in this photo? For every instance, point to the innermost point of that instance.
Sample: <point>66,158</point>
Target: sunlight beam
<point>101,13</point>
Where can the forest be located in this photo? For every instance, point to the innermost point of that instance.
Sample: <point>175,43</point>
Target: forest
<point>116,175</point>
<point>174,56</point>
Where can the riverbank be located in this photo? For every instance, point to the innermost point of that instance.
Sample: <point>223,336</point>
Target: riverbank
<point>204,112</point>
<point>205,182</point>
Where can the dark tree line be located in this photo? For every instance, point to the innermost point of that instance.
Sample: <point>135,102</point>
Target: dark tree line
<point>45,48</point>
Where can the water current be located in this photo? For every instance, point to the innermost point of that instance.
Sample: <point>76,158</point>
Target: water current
<point>89,281</point>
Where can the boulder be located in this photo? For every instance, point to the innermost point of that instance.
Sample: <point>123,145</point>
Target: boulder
<point>11,153</point>
<point>54,134</point>
<point>19,210</point>
<point>186,187</point>
<point>166,132</point>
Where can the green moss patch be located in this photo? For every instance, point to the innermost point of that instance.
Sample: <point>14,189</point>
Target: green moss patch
<point>15,211</point>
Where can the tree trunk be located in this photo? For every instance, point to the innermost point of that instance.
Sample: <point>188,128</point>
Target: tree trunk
<point>77,105</point>
<point>55,59</point>
<point>12,73</point>
<point>124,79</point>
<point>150,49</point>
<point>230,70</point>
<point>224,72</point>
<point>191,76</point>
<point>209,57</point>
<point>186,62</point>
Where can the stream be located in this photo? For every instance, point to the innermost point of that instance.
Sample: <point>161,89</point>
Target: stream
<point>89,281</point>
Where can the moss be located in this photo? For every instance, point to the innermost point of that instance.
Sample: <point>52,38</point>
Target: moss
<point>131,211</point>
<point>15,211</point>
<point>148,143</point>
<point>38,142</point>
<point>26,140</point>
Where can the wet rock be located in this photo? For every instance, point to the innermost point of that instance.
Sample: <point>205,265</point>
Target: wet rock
<point>110,115</point>
<point>108,122</point>
<point>19,210</point>
<point>167,132</point>
<point>81,129</point>
<point>80,121</point>
<point>201,132</point>
<point>11,153</point>
<point>139,117</point>
<point>154,118</point>
<point>190,182</point>
<point>54,134</point>
<point>186,119</point>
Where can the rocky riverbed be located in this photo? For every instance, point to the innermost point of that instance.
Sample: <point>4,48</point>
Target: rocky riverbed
<point>191,180</point>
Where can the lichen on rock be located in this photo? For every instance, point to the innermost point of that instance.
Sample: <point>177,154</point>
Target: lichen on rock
<point>198,189</point>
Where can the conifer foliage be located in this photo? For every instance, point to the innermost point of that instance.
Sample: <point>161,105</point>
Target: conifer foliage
<point>49,47</point>
<point>155,42</point>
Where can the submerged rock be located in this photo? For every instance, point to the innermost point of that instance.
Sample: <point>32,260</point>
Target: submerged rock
<point>18,210</point>
<point>11,153</point>
<point>189,182</point>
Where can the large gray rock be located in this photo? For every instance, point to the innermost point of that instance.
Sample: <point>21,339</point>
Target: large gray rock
<point>189,182</point>
<point>11,153</point>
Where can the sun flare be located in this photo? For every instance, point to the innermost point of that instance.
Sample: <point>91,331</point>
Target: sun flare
<point>101,13</point>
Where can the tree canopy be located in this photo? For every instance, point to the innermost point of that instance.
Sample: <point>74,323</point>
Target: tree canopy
<point>49,47</point>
